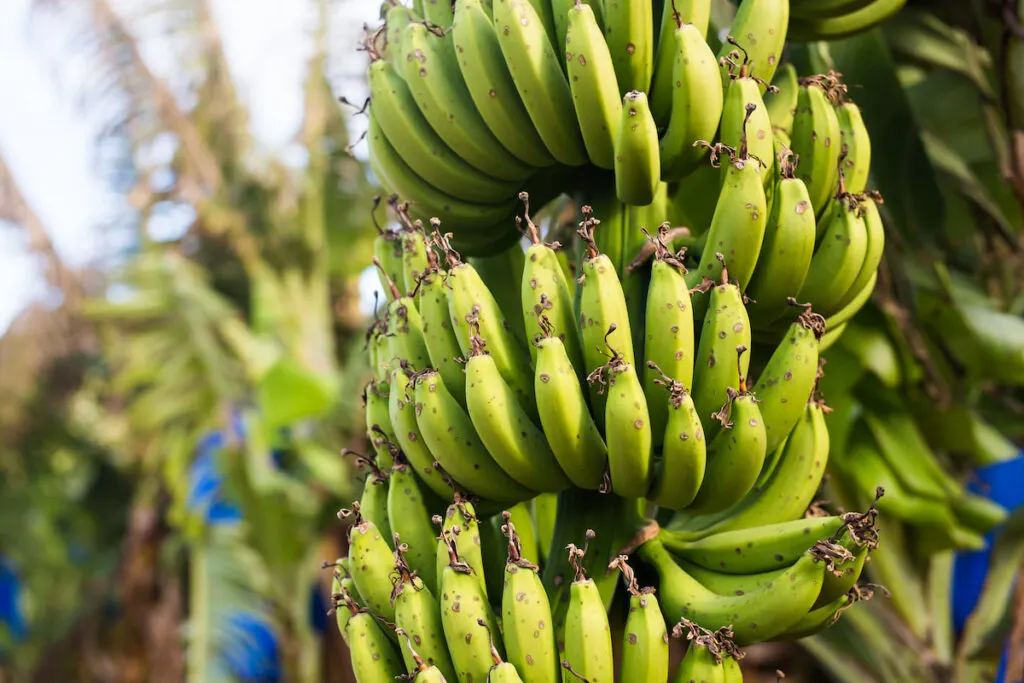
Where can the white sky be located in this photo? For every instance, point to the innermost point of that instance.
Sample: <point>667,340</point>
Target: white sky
<point>46,137</point>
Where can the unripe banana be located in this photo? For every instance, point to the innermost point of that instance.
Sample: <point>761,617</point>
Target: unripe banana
<point>595,91</point>
<point>438,12</point>
<point>373,504</point>
<point>669,339</point>
<point>396,19</point>
<point>696,13</point>
<point>731,671</point>
<point>497,270</point>
<point>875,231</point>
<point>745,122</point>
<point>405,331</point>
<point>856,143</point>
<point>402,409</point>
<point>717,364</point>
<point>839,258</point>
<point>412,138</point>
<point>817,620</point>
<point>627,426</point>
<point>451,437</point>
<point>418,618</point>
<point>387,248</point>
<point>759,29</point>
<point>547,299</point>
<point>816,140</point>
<point>787,249</point>
<point>683,453</point>
<point>588,640</point>
<point>463,603</point>
<point>415,263</point>
<point>378,422</point>
<point>787,381</point>
<point>438,332</point>
<point>374,659</point>
<point>694,99</point>
<point>702,662</point>
<point>735,456</point>
<point>629,31</point>
<point>431,69</point>
<point>461,523</point>
<point>527,623</point>
<point>420,671</point>
<point>342,587</point>
<point>410,520</point>
<point>505,429</point>
<point>755,616</point>
<point>469,299</point>
<point>645,642</point>
<point>490,83</point>
<point>561,8</point>
<point>536,69</point>
<point>602,306</point>
<point>570,430</point>
<point>637,164</point>
<point>370,564</point>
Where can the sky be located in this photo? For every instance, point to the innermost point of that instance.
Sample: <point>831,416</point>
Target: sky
<point>46,135</point>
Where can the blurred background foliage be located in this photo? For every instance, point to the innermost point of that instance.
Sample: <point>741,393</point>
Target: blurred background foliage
<point>170,434</point>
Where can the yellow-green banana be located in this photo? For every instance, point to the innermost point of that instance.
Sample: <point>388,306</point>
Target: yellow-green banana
<point>629,31</point>
<point>839,258</point>
<point>637,164</point>
<point>373,504</point>
<point>387,248</point>
<point>669,336</point>
<point>373,655</point>
<point>781,103</point>
<point>461,524</point>
<point>645,642</point>
<point>856,144</point>
<point>419,669</point>
<point>497,270</point>
<point>816,140</point>
<point>875,231</point>
<point>431,69</point>
<point>595,92</point>
<point>378,422</point>
<point>402,410</point>
<point>683,452</point>
<point>418,616</point>
<point>702,662</point>
<point>537,72</point>
<point>505,429</point>
<point>451,437</point>
<point>438,333</point>
<point>414,258</point>
<point>438,12</point>
<point>745,123</point>
<point>422,149</point>
<point>759,28</point>
<point>410,520</point>
<point>370,563</point>
<point>588,640</point>
<point>675,15</point>
<point>693,100</point>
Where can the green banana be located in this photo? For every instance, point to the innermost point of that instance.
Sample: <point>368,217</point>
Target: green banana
<point>787,249</point>
<point>875,232</point>
<point>373,504</point>
<point>419,670</point>
<point>735,456</point>
<point>785,385</point>
<point>745,123</point>
<point>544,509</point>
<point>449,434</point>
<point>675,16</point>
<point>570,430</point>
<point>560,10</point>
<point>602,308</point>
<point>838,259</point>
<point>426,154</point>
<point>418,618</point>
<point>595,92</point>
<point>405,330</point>
<point>373,656</point>
<point>781,104</point>
<point>546,297</point>
<point>402,410</point>
<point>438,12</point>
<point>432,72</point>
<point>756,549</point>
<point>760,30</point>
<point>737,227</point>
<point>693,101</point>
<point>731,671</point>
<point>588,640</point>
<point>378,422</point>
<point>491,86</point>
<point>834,28</point>
<point>817,140</point>
<point>756,615</point>
<point>442,344</point>
<point>463,603</point>
<point>428,202</point>
<point>637,164</point>
<point>702,662</point>
<point>396,19</point>
<point>717,365</point>
<point>627,426</point>
<point>669,340</point>
<point>527,624</point>
<point>817,620</point>
<point>821,9</point>
<point>410,520</point>
<point>505,429</point>
<point>415,262</point>
<point>629,32</point>
<point>387,248</point>
<point>496,271</point>
<point>342,587</point>
<point>684,451</point>
<point>856,144</point>
<point>370,563</point>
<point>537,73</point>
<point>852,307</point>
<point>645,642</point>
<point>471,302</point>
<point>461,523</point>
